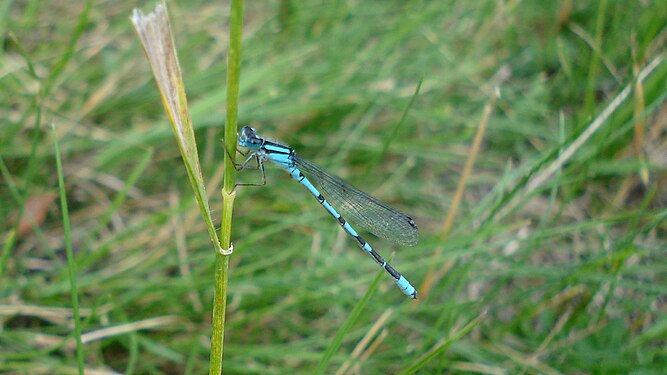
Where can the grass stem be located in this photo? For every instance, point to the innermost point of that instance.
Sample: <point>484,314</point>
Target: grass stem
<point>228,195</point>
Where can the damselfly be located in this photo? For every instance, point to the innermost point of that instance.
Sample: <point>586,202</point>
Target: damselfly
<point>372,214</point>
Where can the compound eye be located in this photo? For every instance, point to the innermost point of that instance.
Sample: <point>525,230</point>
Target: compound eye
<point>247,131</point>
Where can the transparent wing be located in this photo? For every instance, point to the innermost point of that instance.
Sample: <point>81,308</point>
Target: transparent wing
<point>376,216</point>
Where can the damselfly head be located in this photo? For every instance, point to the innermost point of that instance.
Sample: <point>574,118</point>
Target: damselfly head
<point>248,138</point>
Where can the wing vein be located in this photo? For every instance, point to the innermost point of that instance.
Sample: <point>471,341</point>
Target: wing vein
<point>369,212</point>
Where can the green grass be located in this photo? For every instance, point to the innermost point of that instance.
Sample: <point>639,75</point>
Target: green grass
<point>567,276</point>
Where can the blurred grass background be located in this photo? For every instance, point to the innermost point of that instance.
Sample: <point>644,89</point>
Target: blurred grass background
<point>571,275</point>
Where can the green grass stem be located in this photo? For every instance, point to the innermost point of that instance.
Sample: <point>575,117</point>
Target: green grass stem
<point>71,262</point>
<point>228,194</point>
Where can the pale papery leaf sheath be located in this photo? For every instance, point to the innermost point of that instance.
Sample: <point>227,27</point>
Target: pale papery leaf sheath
<point>156,37</point>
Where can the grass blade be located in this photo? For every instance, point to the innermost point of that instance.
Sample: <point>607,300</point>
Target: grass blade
<point>442,346</point>
<point>71,264</point>
<point>347,325</point>
<point>154,31</point>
